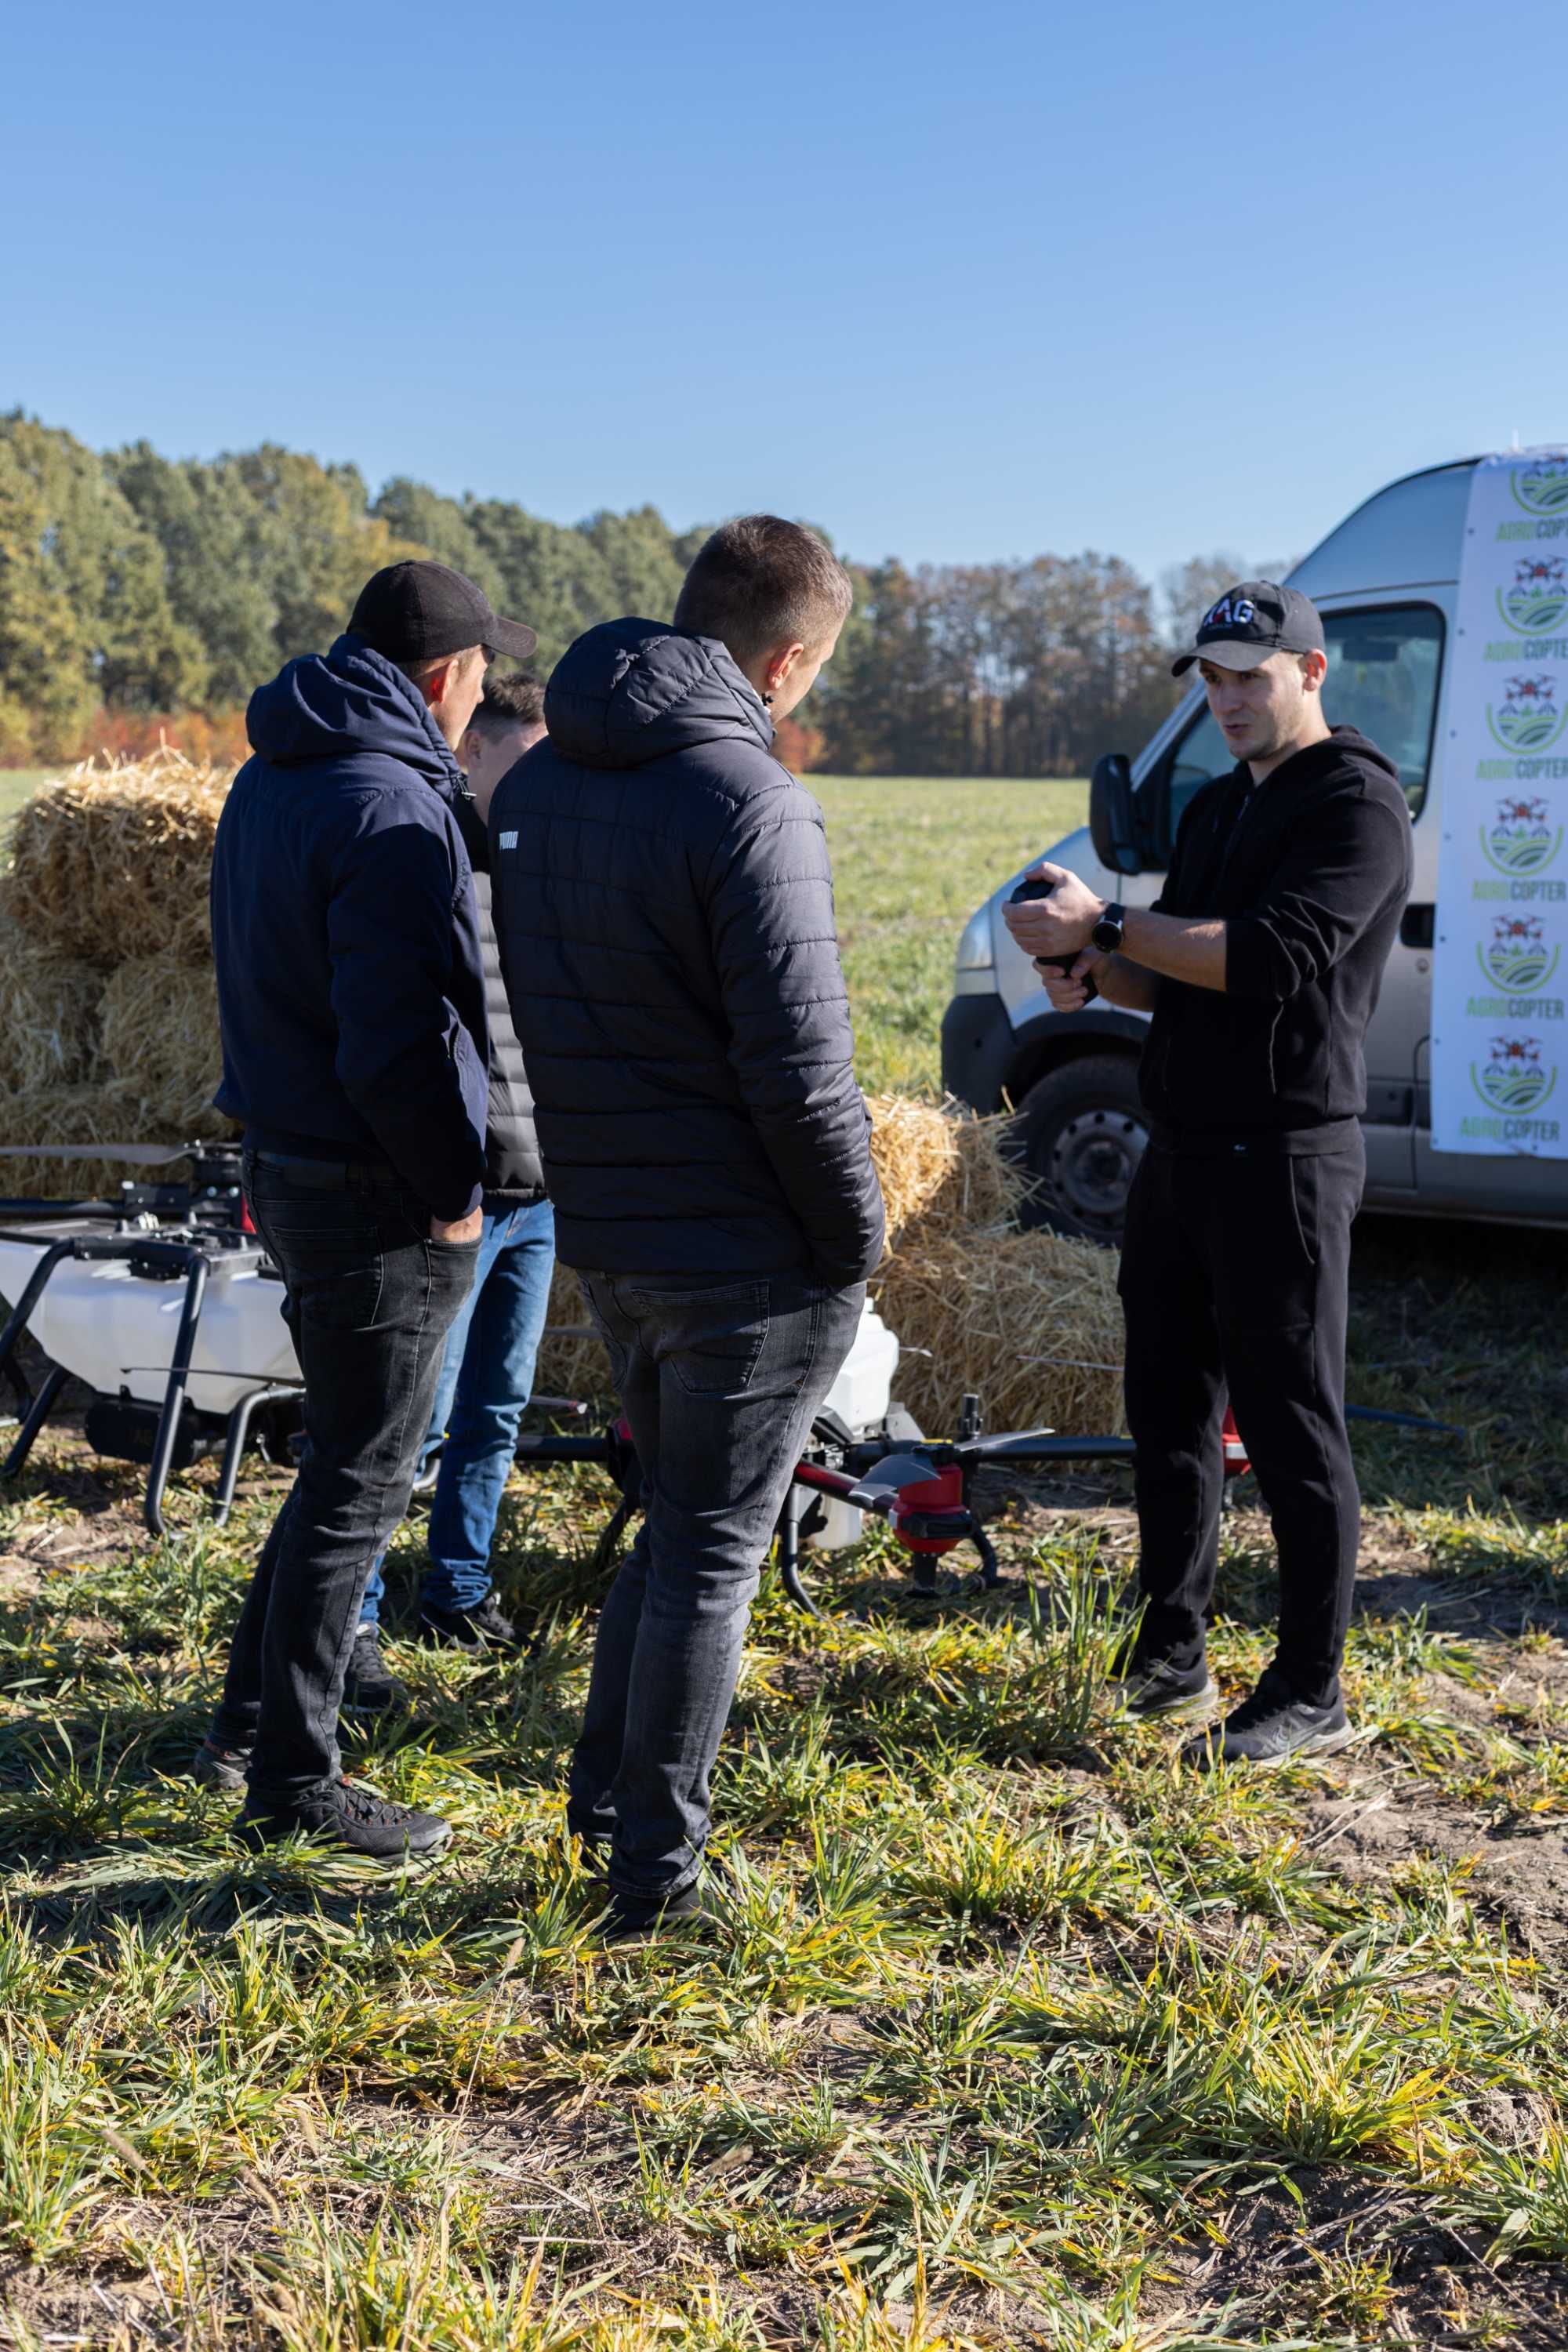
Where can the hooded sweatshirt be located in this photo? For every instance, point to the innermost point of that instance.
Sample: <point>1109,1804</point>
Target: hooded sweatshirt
<point>663,904</point>
<point>1311,870</point>
<point>351,983</point>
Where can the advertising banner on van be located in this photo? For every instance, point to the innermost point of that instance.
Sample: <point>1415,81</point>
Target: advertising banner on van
<point>1500,1039</point>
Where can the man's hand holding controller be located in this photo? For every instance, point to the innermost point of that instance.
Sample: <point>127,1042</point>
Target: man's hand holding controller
<point>1045,930</point>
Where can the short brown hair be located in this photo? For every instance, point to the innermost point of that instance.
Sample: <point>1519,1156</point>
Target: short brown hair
<point>759,580</point>
<point>515,701</point>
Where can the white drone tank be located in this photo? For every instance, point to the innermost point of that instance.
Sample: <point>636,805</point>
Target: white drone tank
<point>115,1329</point>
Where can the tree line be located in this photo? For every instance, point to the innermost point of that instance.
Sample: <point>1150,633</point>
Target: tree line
<point>136,587</point>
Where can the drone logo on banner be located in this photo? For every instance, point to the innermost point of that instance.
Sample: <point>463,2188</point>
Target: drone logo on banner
<point>1517,957</point>
<point>1522,840</point>
<point>1514,1077</point>
<point>1538,598</point>
<point>1541,487</point>
<point>1527,718</point>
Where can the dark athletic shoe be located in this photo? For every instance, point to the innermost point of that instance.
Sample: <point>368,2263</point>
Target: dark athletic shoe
<point>628,1921</point>
<point>1152,1688</point>
<point>369,1681</point>
<point>219,1767</point>
<point>1270,1728</point>
<point>482,1627</point>
<point>346,1815</point>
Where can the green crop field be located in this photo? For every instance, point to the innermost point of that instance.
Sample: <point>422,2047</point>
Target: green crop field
<point>1003,2032</point>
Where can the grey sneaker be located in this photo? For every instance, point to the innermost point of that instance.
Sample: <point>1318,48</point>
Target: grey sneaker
<point>1270,1728</point>
<point>628,1921</point>
<point>219,1767</point>
<point>1152,1688</point>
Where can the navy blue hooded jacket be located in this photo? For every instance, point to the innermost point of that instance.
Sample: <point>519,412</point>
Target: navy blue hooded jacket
<point>351,985</point>
<point>663,904</point>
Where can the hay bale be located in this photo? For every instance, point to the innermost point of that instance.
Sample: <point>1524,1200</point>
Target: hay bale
<point>158,1025</point>
<point>114,860</point>
<point>943,1168</point>
<point>48,1015</point>
<point>570,1364</point>
<point>99,1115</point>
<point>1028,1321</point>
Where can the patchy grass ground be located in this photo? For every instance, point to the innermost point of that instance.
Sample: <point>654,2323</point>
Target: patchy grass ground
<point>1006,2033</point>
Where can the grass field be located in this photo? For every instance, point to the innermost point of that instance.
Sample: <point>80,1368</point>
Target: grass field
<point>1006,2033</point>
<point>16,784</point>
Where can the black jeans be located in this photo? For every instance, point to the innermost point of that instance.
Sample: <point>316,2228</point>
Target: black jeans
<point>721,1381</point>
<point>369,1299</point>
<point>1235,1276</point>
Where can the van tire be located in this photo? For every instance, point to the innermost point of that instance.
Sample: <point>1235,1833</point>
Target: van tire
<point>1081,1132</point>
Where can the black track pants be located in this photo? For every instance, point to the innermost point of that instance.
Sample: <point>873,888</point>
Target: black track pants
<point>1234,1276</point>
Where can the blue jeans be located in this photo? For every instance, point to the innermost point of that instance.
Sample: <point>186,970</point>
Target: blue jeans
<point>486,1376</point>
<point>720,1380</point>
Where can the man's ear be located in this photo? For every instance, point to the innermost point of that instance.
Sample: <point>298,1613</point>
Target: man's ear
<point>433,684</point>
<point>780,662</point>
<point>467,750</point>
<point>1314,670</point>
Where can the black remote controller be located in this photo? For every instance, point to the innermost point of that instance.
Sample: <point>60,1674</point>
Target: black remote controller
<point>1034,887</point>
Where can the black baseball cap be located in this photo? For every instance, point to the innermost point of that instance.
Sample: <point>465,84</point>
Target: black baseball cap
<point>420,610</point>
<point>1251,621</point>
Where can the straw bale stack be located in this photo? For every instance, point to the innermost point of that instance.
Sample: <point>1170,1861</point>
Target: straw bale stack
<point>572,1361</point>
<point>114,860</point>
<point>99,1114</point>
<point>943,1168</point>
<point>49,1014</point>
<point>158,1022</point>
<point>1028,1321</point>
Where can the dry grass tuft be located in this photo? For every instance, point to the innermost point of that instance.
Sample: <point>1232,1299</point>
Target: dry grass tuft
<point>114,860</point>
<point>73,1115</point>
<point>159,1031</point>
<point>49,1014</point>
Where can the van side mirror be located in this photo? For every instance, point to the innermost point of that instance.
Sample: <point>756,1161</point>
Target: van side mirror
<point>1113,821</point>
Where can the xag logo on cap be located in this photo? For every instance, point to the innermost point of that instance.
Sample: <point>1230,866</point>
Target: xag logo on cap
<point>1231,613</point>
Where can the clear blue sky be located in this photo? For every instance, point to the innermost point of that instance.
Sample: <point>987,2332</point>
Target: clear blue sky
<point>959,283</point>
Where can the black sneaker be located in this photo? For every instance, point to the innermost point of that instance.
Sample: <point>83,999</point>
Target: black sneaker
<point>220,1767</point>
<point>1270,1728</point>
<point>483,1627</point>
<point>347,1815</point>
<point>631,1921</point>
<point>369,1681</point>
<point>1152,1688</point>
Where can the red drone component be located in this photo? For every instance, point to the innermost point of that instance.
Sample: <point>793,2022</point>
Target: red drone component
<point>1234,1452</point>
<point>927,1498</point>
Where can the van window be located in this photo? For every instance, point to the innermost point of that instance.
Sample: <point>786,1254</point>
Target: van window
<point>1383,667</point>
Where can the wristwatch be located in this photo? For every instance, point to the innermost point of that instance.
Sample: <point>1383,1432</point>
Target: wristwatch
<point>1107,933</point>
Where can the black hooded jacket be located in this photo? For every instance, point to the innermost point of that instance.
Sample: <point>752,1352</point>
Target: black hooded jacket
<point>1311,870</point>
<point>351,988</point>
<point>663,908</point>
<point>514,1175</point>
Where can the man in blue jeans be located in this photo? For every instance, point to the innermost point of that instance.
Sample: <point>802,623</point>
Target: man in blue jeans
<point>487,1374</point>
<point>664,906</point>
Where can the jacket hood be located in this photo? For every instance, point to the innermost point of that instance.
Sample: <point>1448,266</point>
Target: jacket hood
<point>343,704</point>
<point>631,691</point>
<point>1343,747</point>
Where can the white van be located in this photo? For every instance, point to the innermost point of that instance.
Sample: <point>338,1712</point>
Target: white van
<point>1386,583</point>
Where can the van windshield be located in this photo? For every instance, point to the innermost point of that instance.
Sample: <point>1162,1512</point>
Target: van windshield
<point>1383,667</point>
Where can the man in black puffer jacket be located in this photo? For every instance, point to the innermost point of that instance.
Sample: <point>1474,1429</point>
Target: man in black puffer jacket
<point>663,908</point>
<point>487,1375</point>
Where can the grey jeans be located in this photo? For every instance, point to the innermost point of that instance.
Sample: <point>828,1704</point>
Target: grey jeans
<point>721,1381</point>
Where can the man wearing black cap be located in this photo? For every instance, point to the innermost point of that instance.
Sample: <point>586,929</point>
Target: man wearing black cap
<point>1259,964</point>
<point>351,1000</point>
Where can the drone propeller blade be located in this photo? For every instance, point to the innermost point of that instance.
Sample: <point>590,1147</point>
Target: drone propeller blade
<point>133,1155</point>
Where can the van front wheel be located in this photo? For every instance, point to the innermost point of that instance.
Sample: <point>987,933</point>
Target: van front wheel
<point>1081,1131</point>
